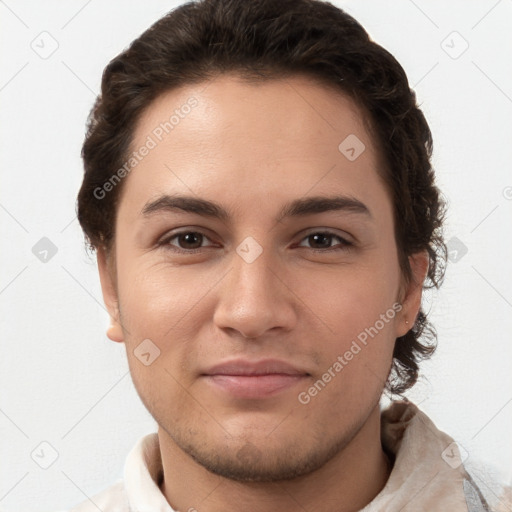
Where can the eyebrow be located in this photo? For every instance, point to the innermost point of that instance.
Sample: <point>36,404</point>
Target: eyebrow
<point>296,208</point>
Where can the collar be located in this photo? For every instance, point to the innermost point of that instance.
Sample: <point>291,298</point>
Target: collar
<point>427,473</point>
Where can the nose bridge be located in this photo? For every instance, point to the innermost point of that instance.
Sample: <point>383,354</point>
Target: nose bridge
<point>253,300</point>
<point>253,271</point>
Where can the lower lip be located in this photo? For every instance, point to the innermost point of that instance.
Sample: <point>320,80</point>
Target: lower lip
<point>254,386</point>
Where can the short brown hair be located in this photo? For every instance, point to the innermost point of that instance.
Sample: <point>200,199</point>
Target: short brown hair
<point>260,40</point>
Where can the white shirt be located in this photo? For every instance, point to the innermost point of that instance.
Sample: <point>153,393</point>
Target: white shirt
<point>427,474</point>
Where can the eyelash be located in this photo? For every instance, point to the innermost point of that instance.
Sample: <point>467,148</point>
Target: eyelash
<point>346,245</point>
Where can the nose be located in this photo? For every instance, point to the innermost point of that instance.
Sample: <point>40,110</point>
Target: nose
<point>255,297</point>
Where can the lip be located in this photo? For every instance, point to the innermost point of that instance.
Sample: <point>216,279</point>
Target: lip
<point>245,367</point>
<point>242,378</point>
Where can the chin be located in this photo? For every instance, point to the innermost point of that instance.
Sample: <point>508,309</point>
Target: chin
<point>255,459</point>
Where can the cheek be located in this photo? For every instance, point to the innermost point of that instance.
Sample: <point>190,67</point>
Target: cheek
<point>160,308</point>
<point>360,308</point>
<point>363,339</point>
<point>352,298</point>
<point>158,298</point>
<point>355,365</point>
<point>168,307</point>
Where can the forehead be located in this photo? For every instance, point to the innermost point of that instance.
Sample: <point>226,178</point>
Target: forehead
<point>231,106</point>
<point>269,139</point>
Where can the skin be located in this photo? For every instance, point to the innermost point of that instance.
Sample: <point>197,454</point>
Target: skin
<point>252,148</point>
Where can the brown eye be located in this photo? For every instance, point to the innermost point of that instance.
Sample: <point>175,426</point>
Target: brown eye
<point>185,241</point>
<point>190,240</point>
<point>323,240</point>
<point>320,241</point>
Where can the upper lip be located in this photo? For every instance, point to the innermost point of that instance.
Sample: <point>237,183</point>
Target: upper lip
<point>254,368</point>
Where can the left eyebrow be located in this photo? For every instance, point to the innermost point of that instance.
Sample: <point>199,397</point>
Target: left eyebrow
<point>296,208</point>
<point>321,204</point>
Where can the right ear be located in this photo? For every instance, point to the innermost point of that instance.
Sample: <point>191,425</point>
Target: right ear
<point>108,288</point>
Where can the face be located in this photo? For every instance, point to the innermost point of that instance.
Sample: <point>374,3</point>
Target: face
<point>257,287</point>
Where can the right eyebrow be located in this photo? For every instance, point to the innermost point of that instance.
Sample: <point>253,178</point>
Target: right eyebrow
<point>167,203</point>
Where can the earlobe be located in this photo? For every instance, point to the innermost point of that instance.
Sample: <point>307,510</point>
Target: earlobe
<point>114,331</point>
<point>108,288</point>
<point>411,301</point>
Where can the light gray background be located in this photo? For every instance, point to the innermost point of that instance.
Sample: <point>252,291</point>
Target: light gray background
<point>63,382</point>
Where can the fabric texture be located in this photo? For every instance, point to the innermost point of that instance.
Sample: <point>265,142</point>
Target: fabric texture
<point>428,473</point>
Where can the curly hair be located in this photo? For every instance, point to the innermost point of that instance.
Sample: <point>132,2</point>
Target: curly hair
<point>262,40</point>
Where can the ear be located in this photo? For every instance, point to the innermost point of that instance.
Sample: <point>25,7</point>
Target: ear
<point>411,301</point>
<point>108,288</point>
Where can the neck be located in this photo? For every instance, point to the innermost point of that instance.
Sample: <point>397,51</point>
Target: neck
<point>347,483</point>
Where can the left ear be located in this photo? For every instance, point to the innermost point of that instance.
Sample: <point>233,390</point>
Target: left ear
<point>411,301</point>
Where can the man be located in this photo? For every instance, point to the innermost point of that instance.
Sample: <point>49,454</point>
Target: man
<point>287,149</point>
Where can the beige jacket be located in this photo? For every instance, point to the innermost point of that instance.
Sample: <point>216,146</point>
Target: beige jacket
<point>427,476</point>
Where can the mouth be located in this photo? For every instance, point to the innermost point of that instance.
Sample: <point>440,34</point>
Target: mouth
<point>254,379</point>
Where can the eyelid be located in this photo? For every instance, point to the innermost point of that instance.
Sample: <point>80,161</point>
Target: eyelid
<point>166,239</point>
<point>330,231</point>
<point>345,240</point>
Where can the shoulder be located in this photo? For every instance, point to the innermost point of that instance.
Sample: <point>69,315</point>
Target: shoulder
<point>505,499</point>
<point>491,496</point>
<point>112,499</point>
